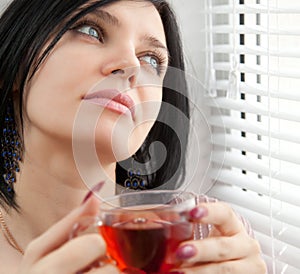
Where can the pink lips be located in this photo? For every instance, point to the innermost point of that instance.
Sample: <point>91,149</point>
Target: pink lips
<point>112,99</point>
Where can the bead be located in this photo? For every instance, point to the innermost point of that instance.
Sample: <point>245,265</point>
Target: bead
<point>10,148</point>
<point>135,183</point>
<point>127,183</point>
<point>130,173</point>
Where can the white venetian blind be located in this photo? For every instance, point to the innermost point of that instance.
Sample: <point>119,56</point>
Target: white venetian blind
<point>253,83</point>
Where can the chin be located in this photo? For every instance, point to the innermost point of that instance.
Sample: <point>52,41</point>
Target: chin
<point>122,152</point>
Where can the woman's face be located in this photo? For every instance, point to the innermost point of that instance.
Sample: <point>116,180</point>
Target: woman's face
<point>102,82</point>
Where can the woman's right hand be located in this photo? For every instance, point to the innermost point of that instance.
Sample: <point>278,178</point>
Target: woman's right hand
<point>53,252</point>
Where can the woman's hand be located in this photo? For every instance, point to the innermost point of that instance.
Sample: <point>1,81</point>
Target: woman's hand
<point>227,249</point>
<point>53,252</point>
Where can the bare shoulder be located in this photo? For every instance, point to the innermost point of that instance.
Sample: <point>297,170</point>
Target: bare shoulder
<point>9,258</point>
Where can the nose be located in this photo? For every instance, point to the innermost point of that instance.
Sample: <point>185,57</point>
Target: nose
<point>123,63</point>
<point>128,73</point>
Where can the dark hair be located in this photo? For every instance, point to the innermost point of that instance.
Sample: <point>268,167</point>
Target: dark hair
<point>26,27</point>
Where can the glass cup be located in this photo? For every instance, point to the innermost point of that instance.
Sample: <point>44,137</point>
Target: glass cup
<point>143,229</point>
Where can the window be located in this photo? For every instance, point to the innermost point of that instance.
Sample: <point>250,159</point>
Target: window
<point>253,88</point>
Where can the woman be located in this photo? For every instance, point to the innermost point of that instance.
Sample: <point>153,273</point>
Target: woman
<point>72,69</point>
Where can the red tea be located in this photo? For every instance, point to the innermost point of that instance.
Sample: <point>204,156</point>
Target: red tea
<point>143,245</point>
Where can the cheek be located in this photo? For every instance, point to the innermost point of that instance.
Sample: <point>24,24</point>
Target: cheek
<point>149,105</point>
<point>49,105</point>
<point>139,135</point>
<point>149,108</point>
<point>54,94</point>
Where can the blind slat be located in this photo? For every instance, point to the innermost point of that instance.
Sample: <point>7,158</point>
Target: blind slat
<point>292,52</point>
<point>257,147</point>
<point>250,107</point>
<point>255,69</point>
<point>280,94</point>
<point>281,211</point>
<point>227,29</point>
<point>246,126</point>
<point>257,166</point>
<point>288,194</point>
<point>256,89</point>
<point>250,9</point>
<point>254,146</point>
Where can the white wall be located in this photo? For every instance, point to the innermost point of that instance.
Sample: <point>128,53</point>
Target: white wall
<point>192,21</point>
<point>4,4</point>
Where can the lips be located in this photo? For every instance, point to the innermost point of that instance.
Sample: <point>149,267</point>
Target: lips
<point>112,99</point>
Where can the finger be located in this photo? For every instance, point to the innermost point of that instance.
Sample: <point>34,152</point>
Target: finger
<point>221,216</point>
<point>247,266</point>
<point>59,233</point>
<point>217,249</point>
<point>70,257</point>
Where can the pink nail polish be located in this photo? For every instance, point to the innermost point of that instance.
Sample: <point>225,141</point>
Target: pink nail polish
<point>186,252</point>
<point>198,213</point>
<point>95,188</point>
<point>175,272</point>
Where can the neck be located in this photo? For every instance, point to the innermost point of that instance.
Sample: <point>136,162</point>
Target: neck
<point>47,189</point>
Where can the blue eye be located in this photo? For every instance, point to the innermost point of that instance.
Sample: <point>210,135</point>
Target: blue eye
<point>151,60</point>
<point>89,30</point>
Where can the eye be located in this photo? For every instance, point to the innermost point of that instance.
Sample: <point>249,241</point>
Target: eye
<point>151,60</point>
<point>89,30</point>
<point>156,61</point>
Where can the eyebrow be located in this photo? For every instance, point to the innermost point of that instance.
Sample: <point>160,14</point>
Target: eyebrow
<point>154,42</point>
<point>107,17</point>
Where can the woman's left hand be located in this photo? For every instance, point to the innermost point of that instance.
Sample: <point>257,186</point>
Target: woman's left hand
<point>227,249</point>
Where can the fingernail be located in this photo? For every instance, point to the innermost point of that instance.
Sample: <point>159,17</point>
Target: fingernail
<point>175,272</point>
<point>198,213</point>
<point>186,252</point>
<point>95,188</point>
